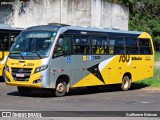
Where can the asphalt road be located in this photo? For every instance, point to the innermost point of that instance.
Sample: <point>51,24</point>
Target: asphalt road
<point>104,99</point>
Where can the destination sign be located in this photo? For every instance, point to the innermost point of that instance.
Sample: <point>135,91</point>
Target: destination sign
<point>38,35</point>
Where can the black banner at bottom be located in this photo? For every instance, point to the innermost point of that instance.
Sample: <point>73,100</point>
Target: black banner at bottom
<point>79,113</point>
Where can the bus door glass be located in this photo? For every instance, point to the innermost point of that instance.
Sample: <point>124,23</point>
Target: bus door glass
<point>63,46</point>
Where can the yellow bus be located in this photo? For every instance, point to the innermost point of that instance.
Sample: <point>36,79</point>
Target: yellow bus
<point>61,57</point>
<point>7,37</point>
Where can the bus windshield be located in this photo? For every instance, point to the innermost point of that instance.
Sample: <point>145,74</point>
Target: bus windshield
<point>31,44</point>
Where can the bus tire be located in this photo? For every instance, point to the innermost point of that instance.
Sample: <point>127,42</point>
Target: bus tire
<point>61,89</point>
<point>126,83</point>
<point>25,91</point>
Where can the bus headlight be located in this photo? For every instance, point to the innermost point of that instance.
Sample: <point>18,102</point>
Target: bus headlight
<point>41,68</point>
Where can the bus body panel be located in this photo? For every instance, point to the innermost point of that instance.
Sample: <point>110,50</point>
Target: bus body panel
<point>78,67</point>
<point>116,68</point>
<point>113,71</point>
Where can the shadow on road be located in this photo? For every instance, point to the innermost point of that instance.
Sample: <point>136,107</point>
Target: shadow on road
<point>36,93</point>
<point>80,91</point>
<point>138,86</point>
<point>1,79</point>
<point>103,89</point>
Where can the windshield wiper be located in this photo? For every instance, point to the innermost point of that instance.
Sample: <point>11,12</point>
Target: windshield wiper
<point>37,54</point>
<point>19,54</point>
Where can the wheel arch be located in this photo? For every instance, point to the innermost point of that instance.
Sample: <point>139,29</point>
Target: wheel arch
<point>128,74</point>
<point>63,78</point>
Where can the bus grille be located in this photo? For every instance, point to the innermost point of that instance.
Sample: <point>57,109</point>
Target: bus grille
<point>25,71</point>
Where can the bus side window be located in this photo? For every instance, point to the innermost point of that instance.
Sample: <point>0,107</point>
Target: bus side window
<point>119,50</point>
<point>116,45</point>
<point>99,45</point>
<point>4,41</point>
<point>81,45</point>
<point>145,46</point>
<point>76,49</point>
<point>100,50</point>
<point>86,49</point>
<point>111,49</point>
<point>145,50</point>
<point>13,37</point>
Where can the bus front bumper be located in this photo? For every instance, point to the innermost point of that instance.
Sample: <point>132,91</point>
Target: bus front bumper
<point>35,80</point>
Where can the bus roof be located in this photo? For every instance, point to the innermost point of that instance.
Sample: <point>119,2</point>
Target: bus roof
<point>103,30</point>
<point>49,27</point>
<point>54,27</point>
<point>8,27</point>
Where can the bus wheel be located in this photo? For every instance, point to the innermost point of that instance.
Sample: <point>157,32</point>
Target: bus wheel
<point>61,89</point>
<point>25,91</point>
<point>126,83</point>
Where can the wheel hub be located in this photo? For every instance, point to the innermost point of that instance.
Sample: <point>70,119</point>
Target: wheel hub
<point>126,83</point>
<point>60,87</point>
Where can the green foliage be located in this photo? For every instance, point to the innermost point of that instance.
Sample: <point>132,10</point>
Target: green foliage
<point>144,16</point>
<point>156,56</point>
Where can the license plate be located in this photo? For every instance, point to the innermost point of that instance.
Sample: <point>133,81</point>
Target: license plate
<point>20,75</point>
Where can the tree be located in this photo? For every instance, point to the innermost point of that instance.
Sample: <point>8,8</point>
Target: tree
<point>144,16</point>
